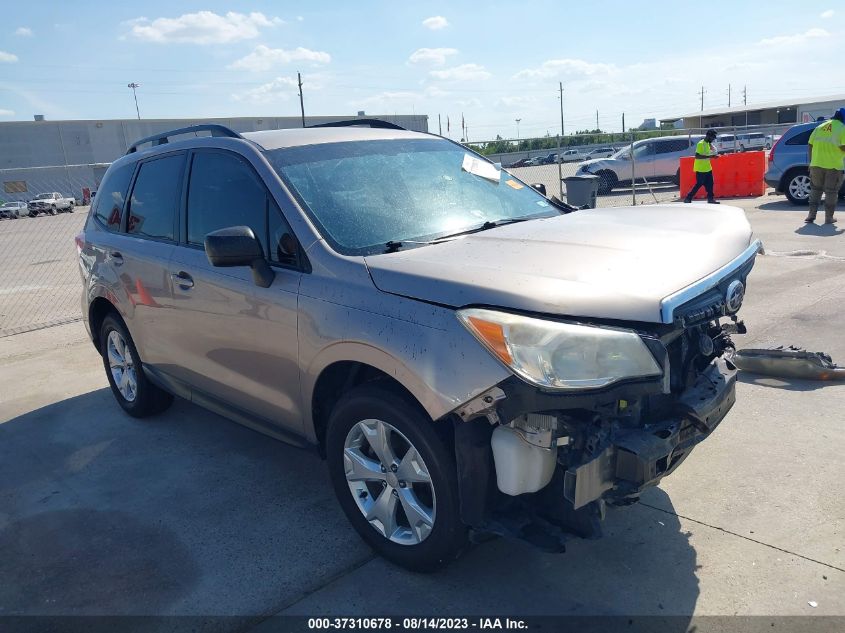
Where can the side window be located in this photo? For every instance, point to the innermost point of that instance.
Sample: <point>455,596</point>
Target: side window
<point>801,138</point>
<point>223,192</point>
<point>152,206</point>
<point>111,196</point>
<point>284,249</point>
<point>675,145</point>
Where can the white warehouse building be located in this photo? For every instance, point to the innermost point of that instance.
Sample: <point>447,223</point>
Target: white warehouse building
<point>70,156</point>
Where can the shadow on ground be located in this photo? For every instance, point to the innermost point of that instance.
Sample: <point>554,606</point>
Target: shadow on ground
<point>820,230</point>
<point>187,513</point>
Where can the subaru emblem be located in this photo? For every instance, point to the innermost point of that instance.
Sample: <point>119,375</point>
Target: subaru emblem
<point>734,296</point>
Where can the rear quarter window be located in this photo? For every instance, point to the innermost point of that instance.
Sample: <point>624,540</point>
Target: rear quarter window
<point>802,138</point>
<point>111,196</point>
<point>152,206</point>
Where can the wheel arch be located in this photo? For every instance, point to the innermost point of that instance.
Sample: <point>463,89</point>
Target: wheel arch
<point>98,310</point>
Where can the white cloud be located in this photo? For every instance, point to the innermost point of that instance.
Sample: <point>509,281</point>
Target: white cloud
<point>299,18</point>
<point>266,58</point>
<point>435,23</point>
<point>464,72</point>
<point>828,14</point>
<point>793,40</point>
<point>4,112</point>
<point>23,31</point>
<point>8,57</point>
<point>203,27</point>
<point>436,56</point>
<point>563,67</point>
<point>280,88</point>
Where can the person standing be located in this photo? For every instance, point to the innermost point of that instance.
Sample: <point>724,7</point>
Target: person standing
<point>826,149</point>
<point>704,152</point>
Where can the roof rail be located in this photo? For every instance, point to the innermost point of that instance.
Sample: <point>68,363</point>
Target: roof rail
<point>163,137</point>
<point>373,123</point>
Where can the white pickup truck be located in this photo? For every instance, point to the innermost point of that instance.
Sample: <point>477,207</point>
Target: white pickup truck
<point>51,203</point>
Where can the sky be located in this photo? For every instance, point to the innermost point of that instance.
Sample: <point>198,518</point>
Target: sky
<point>491,62</point>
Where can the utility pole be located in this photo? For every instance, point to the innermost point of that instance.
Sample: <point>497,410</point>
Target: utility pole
<point>517,133</point>
<point>301,103</point>
<point>623,123</point>
<point>597,120</point>
<point>562,132</point>
<point>133,85</point>
<point>702,98</point>
<point>439,126</point>
<point>745,95</point>
<point>729,95</point>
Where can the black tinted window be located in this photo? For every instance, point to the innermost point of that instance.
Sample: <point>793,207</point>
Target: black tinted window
<point>152,207</point>
<point>224,192</point>
<point>675,145</point>
<point>802,138</point>
<point>108,205</point>
<point>284,248</point>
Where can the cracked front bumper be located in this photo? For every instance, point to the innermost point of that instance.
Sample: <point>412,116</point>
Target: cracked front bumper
<point>636,458</point>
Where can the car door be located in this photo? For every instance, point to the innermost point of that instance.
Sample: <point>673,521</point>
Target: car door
<point>140,253</point>
<point>238,341</point>
<point>667,157</point>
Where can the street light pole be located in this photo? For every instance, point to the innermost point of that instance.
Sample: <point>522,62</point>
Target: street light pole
<point>517,133</point>
<point>133,85</point>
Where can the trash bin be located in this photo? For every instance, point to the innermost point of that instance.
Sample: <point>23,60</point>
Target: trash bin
<point>581,190</point>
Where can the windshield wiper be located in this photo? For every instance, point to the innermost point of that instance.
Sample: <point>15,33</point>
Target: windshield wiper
<point>487,226</point>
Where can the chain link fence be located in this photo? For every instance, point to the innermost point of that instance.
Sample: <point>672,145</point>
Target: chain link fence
<point>39,277</point>
<point>636,167</point>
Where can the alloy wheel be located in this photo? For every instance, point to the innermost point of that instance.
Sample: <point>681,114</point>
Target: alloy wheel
<point>122,366</point>
<point>390,482</point>
<point>799,187</point>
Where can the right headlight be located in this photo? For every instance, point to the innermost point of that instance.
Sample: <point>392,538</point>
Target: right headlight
<point>561,356</point>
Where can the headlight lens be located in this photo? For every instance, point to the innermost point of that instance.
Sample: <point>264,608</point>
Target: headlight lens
<point>561,356</point>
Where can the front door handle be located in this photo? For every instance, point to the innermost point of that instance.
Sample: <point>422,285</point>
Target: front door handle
<point>182,279</point>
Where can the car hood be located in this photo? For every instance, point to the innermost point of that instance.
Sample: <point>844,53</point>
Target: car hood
<point>600,162</point>
<point>615,263</point>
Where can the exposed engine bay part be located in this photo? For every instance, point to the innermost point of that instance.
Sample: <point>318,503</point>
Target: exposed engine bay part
<point>520,467</point>
<point>789,362</point>
<point>483,405</point>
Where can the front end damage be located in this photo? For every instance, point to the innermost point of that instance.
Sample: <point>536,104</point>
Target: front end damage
<point>601,447</point>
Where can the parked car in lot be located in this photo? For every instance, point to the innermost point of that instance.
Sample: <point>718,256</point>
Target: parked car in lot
<point>752,141</point>
<point>465,353</point>
<point>726,143</point>
<point>572,156</point>
<point>13,210</point>
<point>600,152</point>
<point>657,160</point>
<point>534,162</point>
<point>522,162</point>
<point>789,167</point>
<point>50,203</point>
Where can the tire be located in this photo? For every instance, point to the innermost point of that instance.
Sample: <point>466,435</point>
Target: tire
<point>70,208</point>
<point>53,210</point>
<point>797,187</point>
<point>437,536</point>
<point>607,181</point>
<point>142,399</point>
<point>677,178</point>
<point>33,214</point>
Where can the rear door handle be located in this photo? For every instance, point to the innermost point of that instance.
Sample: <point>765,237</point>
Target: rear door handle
<point>116,258</point>
<point>182,279</point>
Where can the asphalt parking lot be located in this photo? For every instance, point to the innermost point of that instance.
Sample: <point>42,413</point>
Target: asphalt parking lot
<point>190,514</point>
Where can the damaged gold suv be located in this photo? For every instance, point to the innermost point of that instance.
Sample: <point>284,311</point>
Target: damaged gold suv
<point>470,357</point>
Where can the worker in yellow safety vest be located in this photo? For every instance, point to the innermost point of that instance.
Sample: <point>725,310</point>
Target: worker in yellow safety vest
<point>827,153</point>
<point>704,152</point>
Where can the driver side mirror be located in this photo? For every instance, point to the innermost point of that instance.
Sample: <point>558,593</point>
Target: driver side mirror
<point>238,246</point>
<point>539,186</point>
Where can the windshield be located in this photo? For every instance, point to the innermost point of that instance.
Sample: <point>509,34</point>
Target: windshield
<point>44,196</point>
<point>364,194</point>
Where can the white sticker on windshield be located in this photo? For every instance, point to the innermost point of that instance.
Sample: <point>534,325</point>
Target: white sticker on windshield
<point>481,168</point>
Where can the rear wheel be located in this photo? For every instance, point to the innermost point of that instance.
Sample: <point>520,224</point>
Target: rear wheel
<point>133,391</point>
<point>395,478</point>
<point>70,207</point>
<point>607,181</point>
<point>797,187</point>
<point>677,178</point>
<point>53,210</point>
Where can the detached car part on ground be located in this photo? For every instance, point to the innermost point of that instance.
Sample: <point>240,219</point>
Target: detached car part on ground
<point>470,357</point>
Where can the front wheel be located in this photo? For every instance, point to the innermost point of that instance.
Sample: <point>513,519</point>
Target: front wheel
<point>70,208</point>
<point>797,188</point>
<point>607,181</point>
<point>395,478</point>
<point>130,386</point>
<point>53,210</point>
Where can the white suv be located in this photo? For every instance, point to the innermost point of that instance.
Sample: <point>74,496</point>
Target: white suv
<point>655,159</point>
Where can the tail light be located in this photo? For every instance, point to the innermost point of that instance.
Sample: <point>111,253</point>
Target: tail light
<point>80,242</point>
<point>774,147</point>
